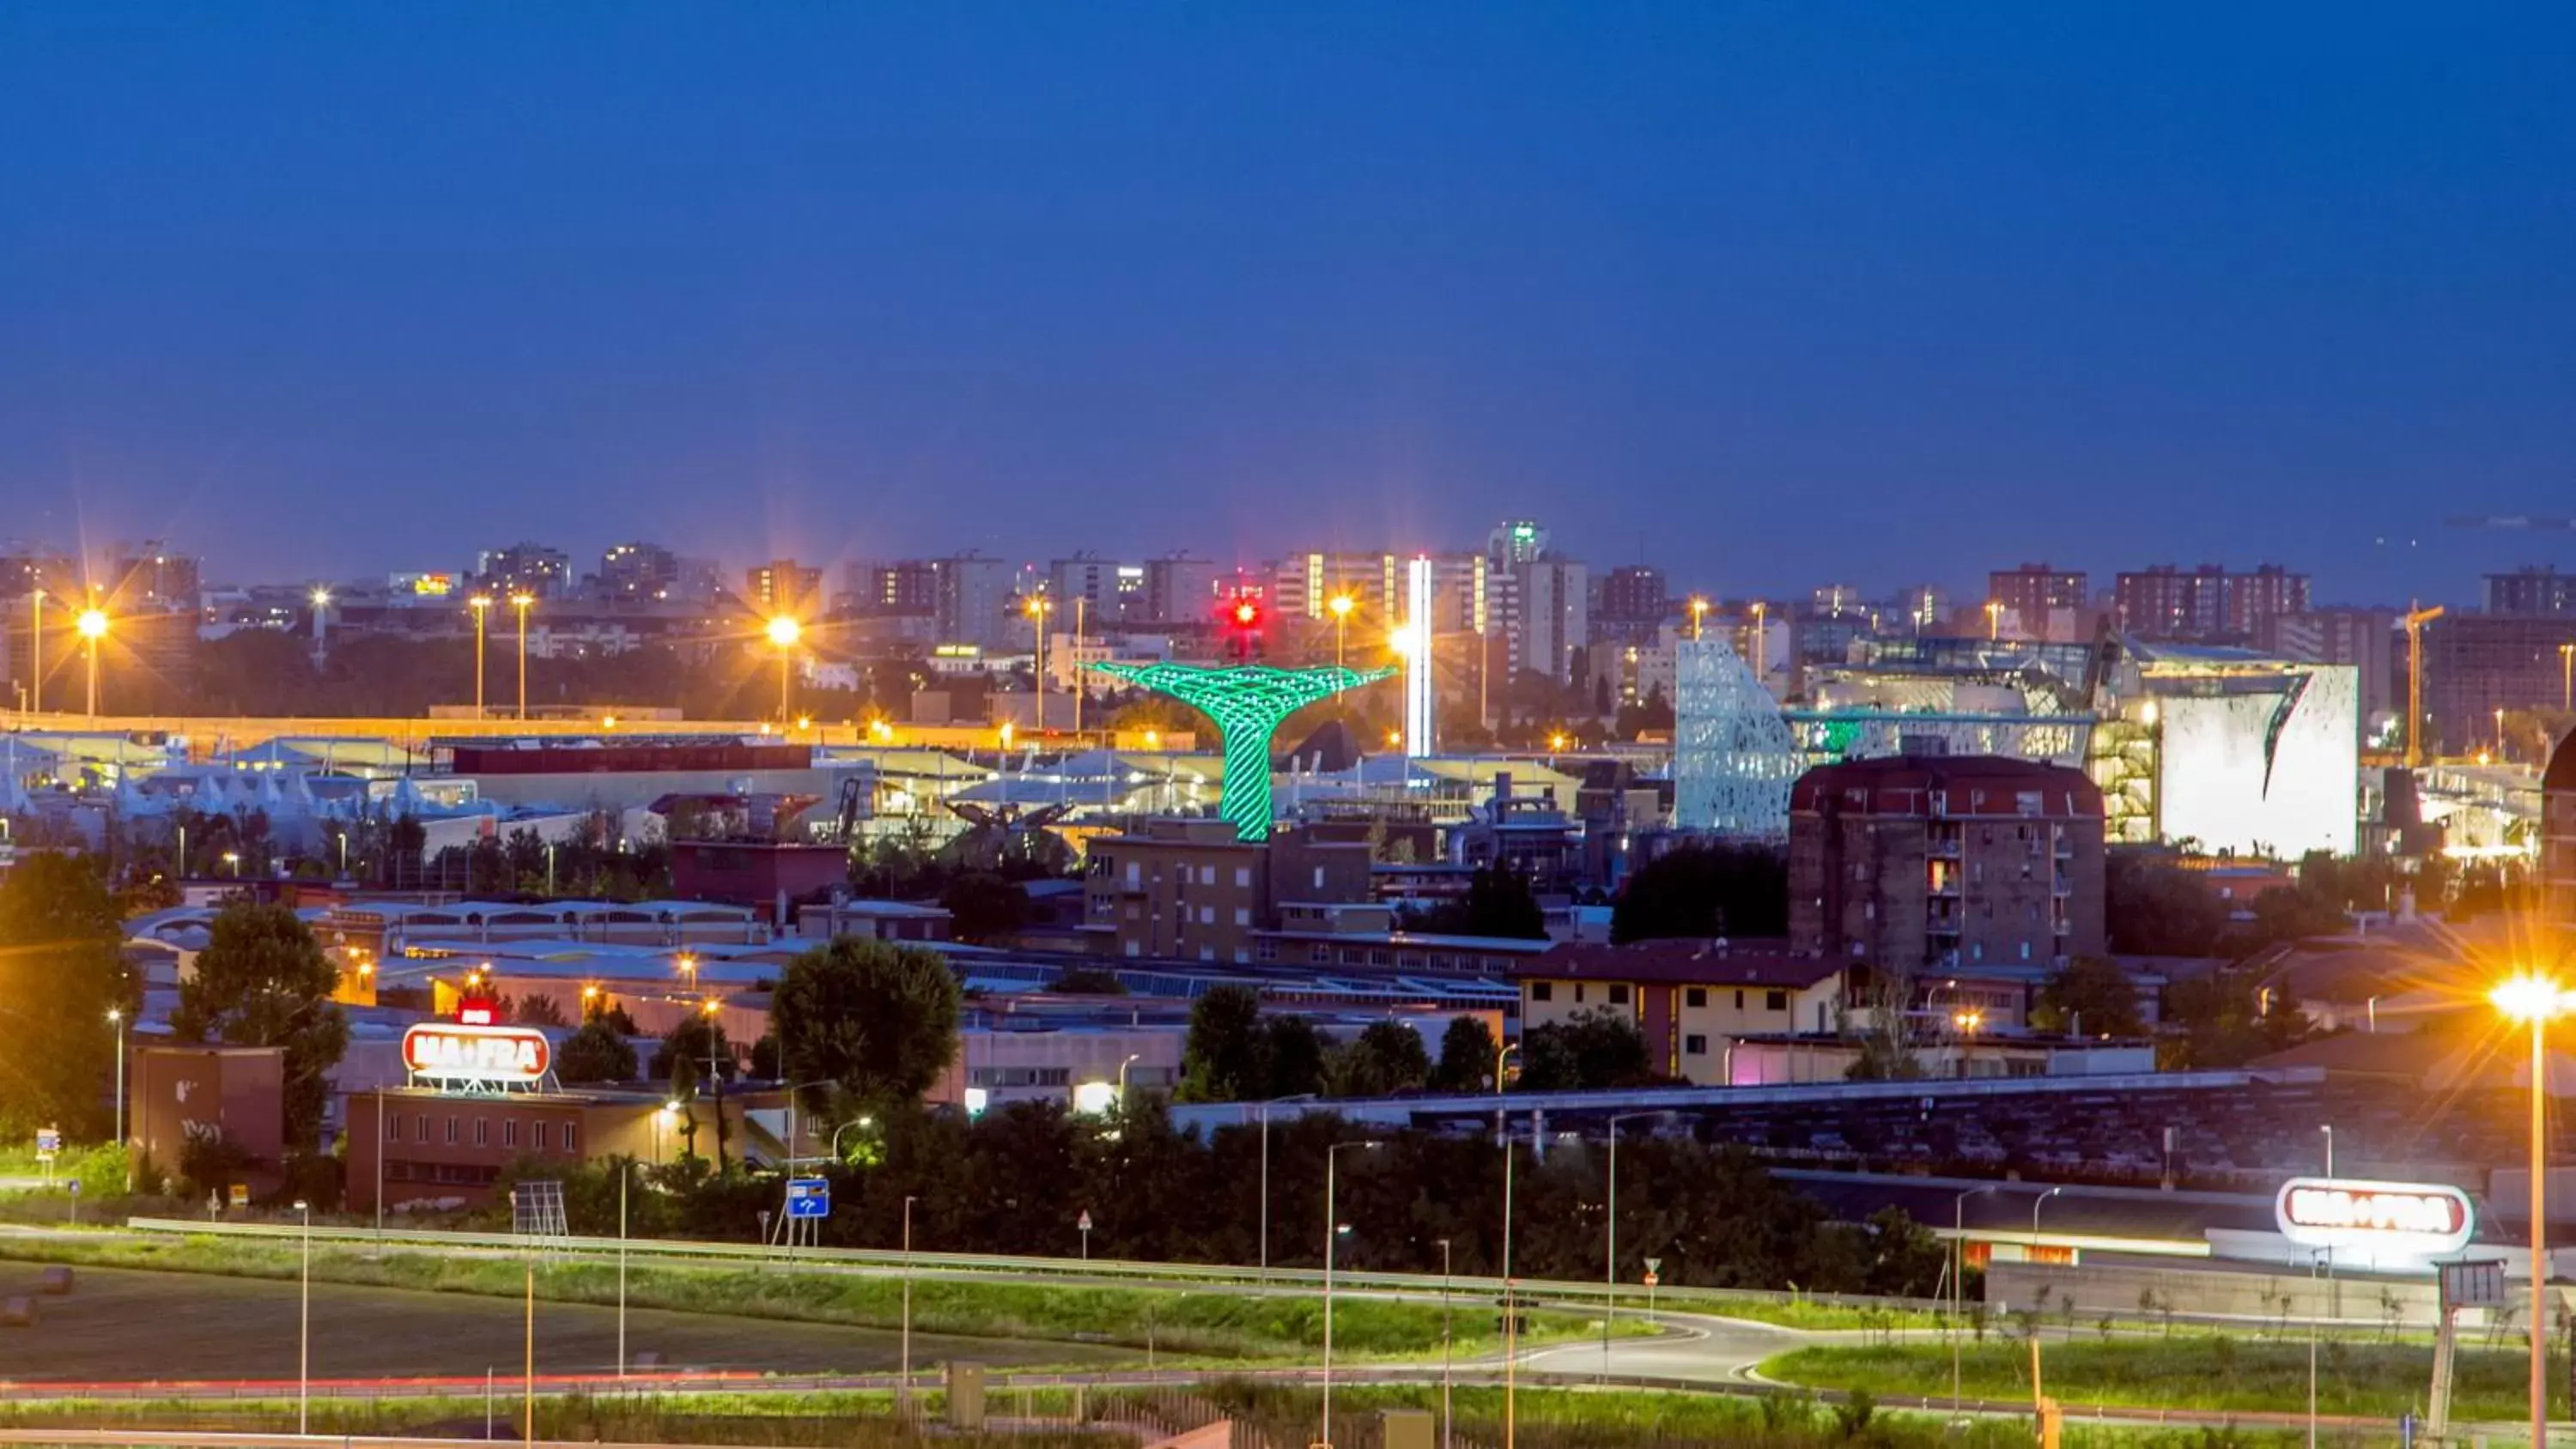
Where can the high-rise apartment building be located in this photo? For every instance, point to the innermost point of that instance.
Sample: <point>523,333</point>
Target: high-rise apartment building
<point>974,601</point>
<point>783,586</point>
<point>1091,579</point>
<point>1179,589</point>
<point>2531,591</point>
<point>2208,603</point>
<point>638,571</point>
<point>1923,863</point>
<point>1632,594</point>
<point>150,578</point>
<point>2036,594</point>
<point>1515,541</point>
<point>2476,664</point>
<point>524,568</point>
<point>1554,624</point>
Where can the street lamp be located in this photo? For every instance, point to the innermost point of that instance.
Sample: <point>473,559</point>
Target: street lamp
<point>2567,678</point>
<point>1699,618</point>
<point>520,601</point>
<point>1265,1179</point>
<point>1132,1059</point>
<point>1966,1023</point>
<point>2536,999</point>
<point>784,632</point>
<point>1340,605</point>
<point>2499,719</point>
<point>481,604</point>
<point>1445,1416</point>
<point>116,1019</point>
<point>903,1395</point>
<point>1959,1278</point>
<point>304,1332</point>
<point>1332,1236</point>
<point>92,625</point>
<point>1502,1055</point>
<point>1036,608</point>
<point>2038,1400</point>
<point>1610,1237</point>
<point>1994,620</point>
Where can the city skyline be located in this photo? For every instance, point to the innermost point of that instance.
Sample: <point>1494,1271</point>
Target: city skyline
<point>1713,288</point>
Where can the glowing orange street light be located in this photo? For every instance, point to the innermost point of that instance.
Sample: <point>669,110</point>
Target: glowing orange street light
<point>92,625</point>
<point>2536,999</point>
<point>521,601</point>
<point>482,607</point>
<point>1699,617</point>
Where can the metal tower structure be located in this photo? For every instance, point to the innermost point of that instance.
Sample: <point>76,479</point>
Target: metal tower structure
<point>1734,758</point>
<point>1247,703</point>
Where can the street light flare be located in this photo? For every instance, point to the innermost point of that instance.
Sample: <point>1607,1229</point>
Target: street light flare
<point>2529,997</point>
<point>785,631</point>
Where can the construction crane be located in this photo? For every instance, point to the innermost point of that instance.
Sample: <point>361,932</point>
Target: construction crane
<point>2416,619</point>
<point>2511,522</point>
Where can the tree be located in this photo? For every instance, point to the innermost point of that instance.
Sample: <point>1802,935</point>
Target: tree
<point>696,1040</point>
<point>2227,1018</point>
<point>2092,995</point>
<point>1224,1058</point>
<point>1592,1049</point>
<point>1498,903</point>
<point>596,1053</point>
<point>2152,907</point>
<point>60,975</point>
<point>1385,1058</point>
<point>984,908</point>
<point>1705,891</point>
<point>1466,1056</point>
<point>539,1010</point>
<point>1293,1053</point>
<point>262,981</point>
<point>876,1019</point>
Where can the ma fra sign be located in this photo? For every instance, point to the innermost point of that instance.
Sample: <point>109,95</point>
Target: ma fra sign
<point>2428,1218</point>
<point>502,1054</point>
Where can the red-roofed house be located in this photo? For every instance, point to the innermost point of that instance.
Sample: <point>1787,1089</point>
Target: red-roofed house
<point>1690,998</point>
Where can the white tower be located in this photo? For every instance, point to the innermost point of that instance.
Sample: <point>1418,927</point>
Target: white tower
<point>1417,656</point>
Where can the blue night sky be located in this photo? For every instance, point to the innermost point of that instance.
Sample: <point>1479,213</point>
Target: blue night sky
<point>1773,295</point>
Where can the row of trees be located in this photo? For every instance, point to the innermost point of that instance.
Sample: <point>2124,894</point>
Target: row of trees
<point>1018,1180</point>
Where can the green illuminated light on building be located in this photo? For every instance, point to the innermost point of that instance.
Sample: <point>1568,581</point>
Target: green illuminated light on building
<point>1247,702</point>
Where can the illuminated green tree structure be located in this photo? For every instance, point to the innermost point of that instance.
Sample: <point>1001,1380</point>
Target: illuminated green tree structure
<point>1248,702</point>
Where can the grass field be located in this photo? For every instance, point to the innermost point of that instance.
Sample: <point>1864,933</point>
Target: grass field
<point>135,1326</point>
<point>2198,1371</point>
<point>1215,1326</point>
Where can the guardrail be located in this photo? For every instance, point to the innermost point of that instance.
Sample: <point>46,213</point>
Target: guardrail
<point>1214,1275</point>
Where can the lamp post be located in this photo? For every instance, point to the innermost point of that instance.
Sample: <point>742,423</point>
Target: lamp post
<point>2038,1400</point>
<point>784,632</point>
<point>2567,678</point>
<point>2536,999</point>
<point>1340,605</point>
<point>92,625</point>
<point>1699,618</point>
<point>1959,1279</point>
<point>1994,620</point>
<point>481,604</point>
<point>2499,719</point>
<point>36,650</point>
<point>1610,1238</point>
<point>1132,1059</point>
<point>904,1377</point>
<point>1966,1024</point>
<point>1502,1054</point>
<point>116,1020</point>
<point>1511,1305</point>
<point>1036,609</point>
<point>1332,1236</point>
<point>304,1328</point>
<point>1445,1416</point>
<point>520,601</point>
<point>625,1171</point>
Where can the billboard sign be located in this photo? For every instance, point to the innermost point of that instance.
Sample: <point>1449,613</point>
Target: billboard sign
<point>2391,1217</point>
<point>487,1055</point>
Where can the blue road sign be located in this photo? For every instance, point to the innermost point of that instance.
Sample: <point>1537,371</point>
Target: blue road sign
<point>809,1197</point>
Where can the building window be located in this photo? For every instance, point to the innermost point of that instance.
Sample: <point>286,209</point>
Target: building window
<point>451,1131</point>
<point>482,1132</point>
<point>509,1132</point>
<point>1578,993</point>
<point>1243,877</point>
<point>393,1124</point>
<point>1739,999</point>
<point>1242,916</point>
<point>1207,875</point>
<point>1695,996</point>
<point>545,1130</point>
<point>1775,1001</point>
<point>1619,994</point>
<point>571,1140</point>
<point>420,1127</point>
<point>1207,915</point>
<point>1542,990</point>
<point>1694,1046</point>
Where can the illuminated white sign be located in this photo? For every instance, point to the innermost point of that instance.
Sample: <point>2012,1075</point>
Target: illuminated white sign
<point>2412,1217</point>
<point>492,1054</point>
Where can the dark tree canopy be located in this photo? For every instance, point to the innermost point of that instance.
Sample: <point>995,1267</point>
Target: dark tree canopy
<point>1466,1056</point>
<point>1591,1049</point>
<point>2090,995</point>
<point>263,981</point>
<point>1386,1057</point>
<point>596,1053</point>
<point>1498,903</point>
<point>876,1018</point>
<point>985,908</point>
<point>1225,1056</point>
<point>1705,891</point>
<point>60,975</point>
<point>2153,907</point>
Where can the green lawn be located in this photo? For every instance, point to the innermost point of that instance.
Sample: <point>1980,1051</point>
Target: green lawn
<point>2194,1371</point>
<point>1215,1326</point>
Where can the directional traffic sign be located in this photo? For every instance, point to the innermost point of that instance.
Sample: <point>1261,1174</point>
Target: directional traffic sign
<point>809,1197</point>
<point>49,1141</point>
